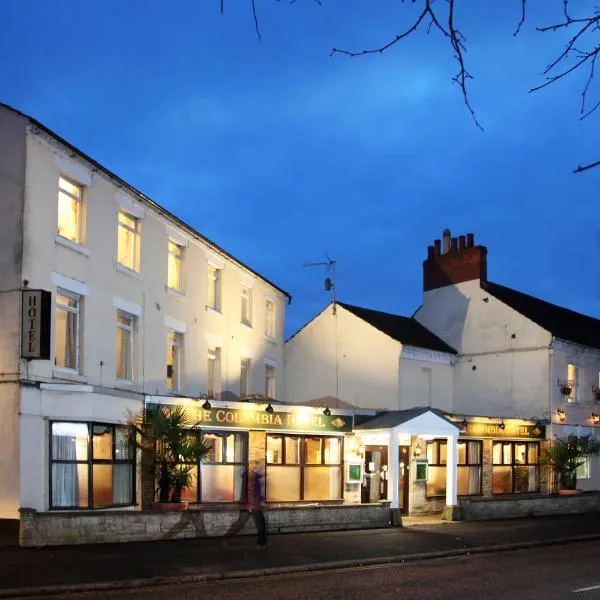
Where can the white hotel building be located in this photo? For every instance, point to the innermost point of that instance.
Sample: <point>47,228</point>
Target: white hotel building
<point>141,308</point>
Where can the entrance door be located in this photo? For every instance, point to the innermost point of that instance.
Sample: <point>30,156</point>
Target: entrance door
<point>374,487</point>
<point>403,479</point>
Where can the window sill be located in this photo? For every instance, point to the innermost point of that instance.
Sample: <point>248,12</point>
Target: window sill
<point>175,293</point>
<point>61,241</point>
<point>246,325</point>
<point>127,271</point>
<point>126,382</point>
<point>215,311</point>
<point>271,339</point>
<point>69,374</point>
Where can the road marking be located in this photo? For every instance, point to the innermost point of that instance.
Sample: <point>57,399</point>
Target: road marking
<point>587,589</point>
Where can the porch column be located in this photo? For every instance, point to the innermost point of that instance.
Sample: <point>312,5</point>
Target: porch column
<point>451,510</point>
<point>393,470</point>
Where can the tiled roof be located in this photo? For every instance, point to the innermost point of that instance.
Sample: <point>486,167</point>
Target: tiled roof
<point>406,330</point>
<point>560,322</point>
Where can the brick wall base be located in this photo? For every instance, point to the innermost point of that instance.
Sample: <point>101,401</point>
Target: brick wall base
<point>52,529</point>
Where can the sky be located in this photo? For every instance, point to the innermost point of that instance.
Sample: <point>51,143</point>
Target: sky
<point>285,155</point>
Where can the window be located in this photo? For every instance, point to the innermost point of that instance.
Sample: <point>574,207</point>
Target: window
<point>515,467</point>
<point>244,377</point>
<point>66,330</point>
<point>221,477</point>
<point>174,270</point>
<point>583,470</point>
<point>269,381</point>
<point>246,316</point>
<point>303,468</point>
<point>128,242</point>
<point>214,288</point>
<point>270,321</point>
<point>468,468</point>
<point>174,345</point>
<point>70,196</point>
<point>214,372</point>
<point>124,350</point>
<point>92,465</point>
<point>573,380</point>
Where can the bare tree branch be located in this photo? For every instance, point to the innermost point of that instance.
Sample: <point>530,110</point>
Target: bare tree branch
<point>519,25</point>
<point>581,168</point>
<point>255,20</point>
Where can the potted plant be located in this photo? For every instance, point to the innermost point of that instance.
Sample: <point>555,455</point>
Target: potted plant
<point>172,444</point>
<point>566,455</point>
<point>566,388</point>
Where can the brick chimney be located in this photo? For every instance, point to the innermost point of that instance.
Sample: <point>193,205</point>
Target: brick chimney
<point>454,261</point>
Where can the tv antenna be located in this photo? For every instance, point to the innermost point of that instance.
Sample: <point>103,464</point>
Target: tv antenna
<point>329,282</point>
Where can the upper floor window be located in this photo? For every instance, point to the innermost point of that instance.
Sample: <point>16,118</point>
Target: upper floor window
<point>270,320</point>
<point>66,330</point>
<point>175,267</point>
<point>573,382</point>
<point>270,381</point>
<point>70,197</point>
<point>246,316</point>
<point>174,346</point>
<point>214,288</point>
<point>214,371</point>
<point>124,351</point>
<point>244,377</point>
<point>128,247</point>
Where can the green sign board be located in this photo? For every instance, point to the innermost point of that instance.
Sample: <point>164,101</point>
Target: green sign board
<point>503,430</point>
<point>249,418</point>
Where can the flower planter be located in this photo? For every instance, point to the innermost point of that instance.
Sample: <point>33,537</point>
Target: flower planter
<point>570,492</point>
<point>565,390</point>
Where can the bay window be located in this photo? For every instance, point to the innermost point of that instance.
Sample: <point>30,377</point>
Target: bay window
<point>515,467</point>
<point>92,465</point>
<point>468,470</point>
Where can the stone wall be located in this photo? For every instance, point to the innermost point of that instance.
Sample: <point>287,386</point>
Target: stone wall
<point>479,509</point>
<point>51,529</point>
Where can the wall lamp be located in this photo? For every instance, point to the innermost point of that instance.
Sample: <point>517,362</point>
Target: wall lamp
<point>561,415</point>
<point>206,405</point>
<point>326,411</point>
<point>269,408</point>
<point>502,426</point>
<point>417,451</point>
<point>595,419</point>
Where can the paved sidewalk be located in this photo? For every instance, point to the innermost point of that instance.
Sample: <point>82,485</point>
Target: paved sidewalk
<point>106,566</point>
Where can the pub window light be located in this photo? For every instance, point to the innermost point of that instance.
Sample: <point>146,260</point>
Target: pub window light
<point>595,419</point>
<point>269,408</point>
<point>502,426</point>
<point>561,415</point>
<point>327,412</point>
<point>417,450</point>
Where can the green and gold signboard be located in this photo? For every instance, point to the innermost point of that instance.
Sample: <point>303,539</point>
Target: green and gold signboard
<point>259,419</point>
<point>503,430</point>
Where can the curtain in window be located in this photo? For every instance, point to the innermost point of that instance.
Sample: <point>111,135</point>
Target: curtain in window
<point>71,341</point>
<point>475,472</point>
<point>65,482</point>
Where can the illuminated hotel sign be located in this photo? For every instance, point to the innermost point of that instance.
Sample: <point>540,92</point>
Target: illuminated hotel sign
<point>510,430</point>
<point>35,324</point>
<point>259,419</point>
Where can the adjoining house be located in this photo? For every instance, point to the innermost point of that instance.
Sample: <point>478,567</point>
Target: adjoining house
<point>509,370</point>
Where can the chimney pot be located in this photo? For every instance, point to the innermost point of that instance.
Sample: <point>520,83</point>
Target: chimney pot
<point>429,252</point>
<point>470,240</point>
<point>446,238</point>
<point>461,242</point>
<point>453,245</point>
<point>437,245</point>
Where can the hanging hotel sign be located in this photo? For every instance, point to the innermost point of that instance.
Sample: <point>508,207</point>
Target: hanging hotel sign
<point>259,419</point>
<point>35,324</point>
<point>503,430</point>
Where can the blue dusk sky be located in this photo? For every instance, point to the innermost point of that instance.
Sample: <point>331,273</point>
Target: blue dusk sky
<point>280,153</point>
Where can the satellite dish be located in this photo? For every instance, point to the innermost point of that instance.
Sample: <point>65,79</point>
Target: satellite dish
<point>328,284</point>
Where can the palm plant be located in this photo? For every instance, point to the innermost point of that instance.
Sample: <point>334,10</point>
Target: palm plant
<point>173,441</point>
<point>566,455</point>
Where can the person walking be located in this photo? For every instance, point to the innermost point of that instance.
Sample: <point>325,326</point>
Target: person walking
<point>256,497</point>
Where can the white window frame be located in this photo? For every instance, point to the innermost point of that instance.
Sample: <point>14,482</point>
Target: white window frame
<point>584,470</point>
<point>79,200</point>
<point>135,230</point>
<point>213,378</point>
<point>77,312</point>
<point>214,287</point>
<point>246,301</point>
<point>270,318</point>
<point>174,340</point>
<point>179,258</point>
<point>245,366</point>
<point>131,330</point>
<point>270,372</point>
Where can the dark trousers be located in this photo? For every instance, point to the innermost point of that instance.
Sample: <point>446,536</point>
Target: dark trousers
<point>261,527</point>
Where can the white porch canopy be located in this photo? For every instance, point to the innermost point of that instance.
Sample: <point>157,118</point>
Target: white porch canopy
<point>424,421</point>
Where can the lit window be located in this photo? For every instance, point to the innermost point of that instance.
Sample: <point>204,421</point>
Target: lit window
<point>124,351</point>
<point>515,467</point>
<point>214,288</point>
<point>66,330</point>
<point>246,316</point>
<point>214,371</point>
<point>583,470</point>
<point>174,345</point>
<point>573,382</point>
<point>270,321</point>
<point>269,381</point>
<point>70,196</point>
<point>244,377</point>
<point>128,248</point>
<point>174,278</point>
